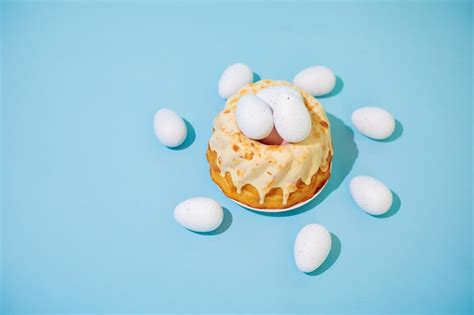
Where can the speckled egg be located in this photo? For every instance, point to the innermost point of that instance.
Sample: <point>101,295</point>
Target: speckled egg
<point>373,122</point>
<point>317,80</point>
<point>254,117</point>
<point>271,94</point>
<point>291,117</point>
<point>233,78</point>
<point>312,246</point>
<point>169,127</point>
<point>371,195</point>
<point>199,214</point>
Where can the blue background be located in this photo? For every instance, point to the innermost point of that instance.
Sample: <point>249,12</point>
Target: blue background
<point>88,192</point>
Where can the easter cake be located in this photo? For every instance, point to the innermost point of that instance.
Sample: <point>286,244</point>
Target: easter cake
<point>262,171</point>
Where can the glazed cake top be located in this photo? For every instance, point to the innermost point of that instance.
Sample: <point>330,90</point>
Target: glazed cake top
<point>270,166</point>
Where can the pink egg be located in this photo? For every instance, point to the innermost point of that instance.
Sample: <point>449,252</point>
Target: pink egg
<point>273,138</point>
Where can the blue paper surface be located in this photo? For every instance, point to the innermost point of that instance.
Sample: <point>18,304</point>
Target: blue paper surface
<point>88,192</point>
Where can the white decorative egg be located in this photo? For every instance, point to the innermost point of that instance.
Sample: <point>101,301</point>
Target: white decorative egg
<point>317,80</point>
<point>233,78</point>
<point>254,117</point>
<point>271,94</point>
<point>199,214</point>
<point>371,195</point>
<point>312,246</point>
<point>373,122</point>
<point>169,127</point>
<point>291,117</point>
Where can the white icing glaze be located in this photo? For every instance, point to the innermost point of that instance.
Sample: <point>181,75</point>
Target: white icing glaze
<point>270,166</point>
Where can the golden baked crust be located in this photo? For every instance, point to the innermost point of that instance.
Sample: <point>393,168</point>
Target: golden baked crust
<point>274,198</point>
<point>269,176</point>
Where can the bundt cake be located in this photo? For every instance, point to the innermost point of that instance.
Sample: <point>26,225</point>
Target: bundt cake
<point>269,176</point>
